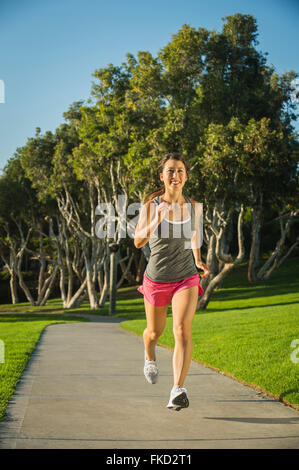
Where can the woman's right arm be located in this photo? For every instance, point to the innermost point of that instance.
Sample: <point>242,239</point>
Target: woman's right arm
<point>148,221</point>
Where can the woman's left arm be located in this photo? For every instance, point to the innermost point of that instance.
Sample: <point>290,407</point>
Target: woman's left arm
<point>197,238</point>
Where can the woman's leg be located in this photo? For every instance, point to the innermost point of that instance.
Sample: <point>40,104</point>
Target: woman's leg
<point>183,310</point>
<point>156,320</point>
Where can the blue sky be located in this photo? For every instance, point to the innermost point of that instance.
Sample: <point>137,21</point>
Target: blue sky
<point>49,49</point>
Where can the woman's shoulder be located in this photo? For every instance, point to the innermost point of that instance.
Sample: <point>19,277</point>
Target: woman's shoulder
<point>152,201</point>
<point>196,204</point>
<point>193,201</point>
<point>149,205</point>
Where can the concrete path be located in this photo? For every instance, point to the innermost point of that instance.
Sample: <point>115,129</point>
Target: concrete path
<point>84,388</point>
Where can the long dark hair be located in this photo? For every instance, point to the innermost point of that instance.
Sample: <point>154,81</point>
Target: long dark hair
<point>161,190</point>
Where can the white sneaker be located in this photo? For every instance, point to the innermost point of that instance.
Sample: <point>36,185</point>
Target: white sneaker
<point>178,398</point>
<point>151,371</point>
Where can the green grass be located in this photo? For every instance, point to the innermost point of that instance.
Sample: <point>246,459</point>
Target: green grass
<point>128,301</point>
<point>246,331</point>
<point>20,334</point>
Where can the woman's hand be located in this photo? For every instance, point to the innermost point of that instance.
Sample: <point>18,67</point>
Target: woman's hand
<point>163,209</point>
<point>204,267</point>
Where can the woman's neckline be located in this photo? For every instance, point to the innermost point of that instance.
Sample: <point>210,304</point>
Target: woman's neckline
<point>183,195</point>
<point>178,221</point>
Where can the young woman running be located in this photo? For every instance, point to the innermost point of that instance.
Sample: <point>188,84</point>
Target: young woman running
<point>171,223</point>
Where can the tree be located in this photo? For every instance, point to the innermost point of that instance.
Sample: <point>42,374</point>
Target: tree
<point>22,217</point>
<point>45,162</point>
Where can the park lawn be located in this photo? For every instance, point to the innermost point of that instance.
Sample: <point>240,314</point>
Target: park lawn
<point>20,334</point>
<point>246,331</point>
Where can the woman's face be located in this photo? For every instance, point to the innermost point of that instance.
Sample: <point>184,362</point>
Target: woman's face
<point>174,174</point>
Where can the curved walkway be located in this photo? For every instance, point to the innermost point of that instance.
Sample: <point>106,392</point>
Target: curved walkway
<point>84,388</point>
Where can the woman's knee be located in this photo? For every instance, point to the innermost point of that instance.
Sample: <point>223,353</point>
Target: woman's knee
<point>152,335</point>
<point>182,333</point>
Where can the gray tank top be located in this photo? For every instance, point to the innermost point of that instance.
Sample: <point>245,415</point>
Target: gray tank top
<point>171,256</point>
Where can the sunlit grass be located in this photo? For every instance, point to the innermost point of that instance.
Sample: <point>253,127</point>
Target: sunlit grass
<point>246,331</point>
<point>20,334</point>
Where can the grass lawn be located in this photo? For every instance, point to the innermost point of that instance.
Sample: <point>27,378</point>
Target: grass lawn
<point>20,333</point>
<point>246,331</point>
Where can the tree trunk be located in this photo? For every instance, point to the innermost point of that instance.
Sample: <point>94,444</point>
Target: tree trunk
<point>47,287</point>
<point>140,263</point>
<point>105,288</point>
<point>226,258</point>
<point>272,263</point>
<point>225,247</point>
<point>61,285</point>
<point>41,278</point>
<point>211,261</point>
<point>13,288</point>
<point>69,299</point>
<point>206,297</point>
<point>92,294</point>
<point>77,298</point>
<point>256,226</point>
<point>101,277</point>
<point>126,273</point>
<point>14,265</point>
<point>23,286</point>
<point>113,279</point>
<point>69,270</point>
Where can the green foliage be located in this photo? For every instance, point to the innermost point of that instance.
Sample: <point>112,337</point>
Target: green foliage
<point>173,102</point>
<point>27,275</point>
<point>240,30</point>
<point>243,160</point>
<point>246,330</point>
<point>210,95</point>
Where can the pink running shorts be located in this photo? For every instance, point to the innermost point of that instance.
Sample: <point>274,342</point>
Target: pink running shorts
<point>161,293</point>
